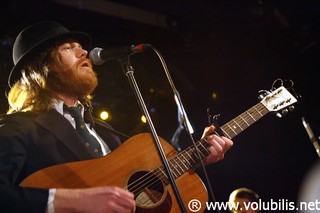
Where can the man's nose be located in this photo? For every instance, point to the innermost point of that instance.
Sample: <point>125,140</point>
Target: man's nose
<point>82,53</point>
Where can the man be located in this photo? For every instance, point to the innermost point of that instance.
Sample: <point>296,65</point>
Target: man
<point>53,73</point>
<point>244,200</point>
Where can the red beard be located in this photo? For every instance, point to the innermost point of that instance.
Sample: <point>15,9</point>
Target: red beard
<point>74,81</point>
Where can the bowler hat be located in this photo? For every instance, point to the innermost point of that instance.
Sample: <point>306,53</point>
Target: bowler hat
<point>36,38</point>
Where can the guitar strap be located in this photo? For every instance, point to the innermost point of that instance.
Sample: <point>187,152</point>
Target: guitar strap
<point>113,137</point>
<point>109,128</point>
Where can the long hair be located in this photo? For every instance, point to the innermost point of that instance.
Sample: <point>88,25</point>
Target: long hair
<point>30,92</point>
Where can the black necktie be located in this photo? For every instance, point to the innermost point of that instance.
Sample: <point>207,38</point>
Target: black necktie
<point>90,141</point>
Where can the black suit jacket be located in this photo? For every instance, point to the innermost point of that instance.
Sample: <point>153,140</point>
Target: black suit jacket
<point>30,142</point>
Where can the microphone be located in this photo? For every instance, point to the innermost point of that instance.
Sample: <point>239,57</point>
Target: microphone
<point>98,55</point>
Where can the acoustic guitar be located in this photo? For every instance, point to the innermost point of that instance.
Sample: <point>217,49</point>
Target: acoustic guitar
<point>136,165</point>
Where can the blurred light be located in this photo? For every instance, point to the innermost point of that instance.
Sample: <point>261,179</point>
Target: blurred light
<point>214,95</point>
<point>143,119</point>
<point>104,115</point>
<point>152,110</point>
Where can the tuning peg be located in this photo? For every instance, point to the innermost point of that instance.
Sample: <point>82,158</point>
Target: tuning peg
<point>262,94</point>
<point>284,111</point>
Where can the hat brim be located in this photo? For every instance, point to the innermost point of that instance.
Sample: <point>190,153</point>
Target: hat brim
<point>83,38</point>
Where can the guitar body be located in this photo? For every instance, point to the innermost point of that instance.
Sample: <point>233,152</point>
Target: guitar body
<point>130,166</point>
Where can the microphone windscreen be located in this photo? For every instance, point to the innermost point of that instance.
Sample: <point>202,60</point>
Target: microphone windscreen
<point>95,56</point>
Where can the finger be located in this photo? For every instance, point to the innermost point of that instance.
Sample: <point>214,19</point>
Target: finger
<point>218,147</point>
<point>125,197</point>
<point>127,204</point>
<point>208,130</point>
<point>228,142</point>
<point>120,200</point>
<point>225,142</point>
<point>215,150</point>
<point>119,192</point>
<point>215,140</point>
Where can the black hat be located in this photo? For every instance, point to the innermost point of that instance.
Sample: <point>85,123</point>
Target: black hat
<point>38,37</point>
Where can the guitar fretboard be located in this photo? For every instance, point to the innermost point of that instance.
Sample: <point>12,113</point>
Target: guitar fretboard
<point>243,121</point>
<point>187,159</point>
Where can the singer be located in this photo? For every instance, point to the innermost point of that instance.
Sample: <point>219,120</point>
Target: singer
<point>51,86</point>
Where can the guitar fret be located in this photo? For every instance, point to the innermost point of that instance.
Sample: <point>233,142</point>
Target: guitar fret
<point>193,154</point>
<point>173,169</point>
<point>225,133</point>
<point>165,179</point>
<point>177,165</point>
<point>163,173</point>
<point>174,159</point>
<point>160,174</point>
<point>200,153</point>
<point>237,124</point>
<point>190,157</point>
<point>244,120</point>
<point>183,161</point>
<point>204,149</point>
<point>173,173</point>
<point>251,116</point>
<point>231,128</point>
<point>257,111</point>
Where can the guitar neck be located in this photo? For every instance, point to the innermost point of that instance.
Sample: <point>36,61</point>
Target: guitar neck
<point>187,159</point>
<point>243,121</point>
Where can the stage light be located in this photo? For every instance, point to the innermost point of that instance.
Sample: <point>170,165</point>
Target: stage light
<point>214,95</point>
<point>104,115</point>
<point>143,119</point>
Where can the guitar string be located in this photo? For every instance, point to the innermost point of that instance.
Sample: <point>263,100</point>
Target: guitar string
<point>157,174</point>
<point>154,175</point>
<point>239,121</point>
<point>251,113</point>
<point>158,169</point>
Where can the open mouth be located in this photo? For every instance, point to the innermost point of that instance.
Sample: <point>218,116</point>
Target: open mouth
<point>86,64</point>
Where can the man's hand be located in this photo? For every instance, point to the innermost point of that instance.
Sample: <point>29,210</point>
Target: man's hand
<point>94,200</point>
<point>219,145</point>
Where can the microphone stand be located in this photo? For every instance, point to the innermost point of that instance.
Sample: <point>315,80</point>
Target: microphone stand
<point>185,121</point>
<point>311,135</point>
<point>175,137</point>
<point>128,70</point>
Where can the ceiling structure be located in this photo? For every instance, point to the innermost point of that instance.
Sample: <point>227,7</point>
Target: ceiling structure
<point>229,48</point>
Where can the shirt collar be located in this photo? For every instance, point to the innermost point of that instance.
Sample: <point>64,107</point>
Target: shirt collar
<point>58,105</point>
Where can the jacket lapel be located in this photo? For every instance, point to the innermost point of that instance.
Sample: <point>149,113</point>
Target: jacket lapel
<point>62,129</point>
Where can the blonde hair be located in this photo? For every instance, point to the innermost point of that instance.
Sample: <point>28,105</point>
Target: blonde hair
<point>30,92</point>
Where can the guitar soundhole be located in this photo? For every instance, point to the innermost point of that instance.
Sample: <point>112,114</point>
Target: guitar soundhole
<point>148,189</point>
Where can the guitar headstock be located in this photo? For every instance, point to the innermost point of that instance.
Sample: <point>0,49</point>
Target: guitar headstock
<point>279,100</point>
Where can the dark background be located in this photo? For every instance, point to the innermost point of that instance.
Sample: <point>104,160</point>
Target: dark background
<point>227,47</point>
